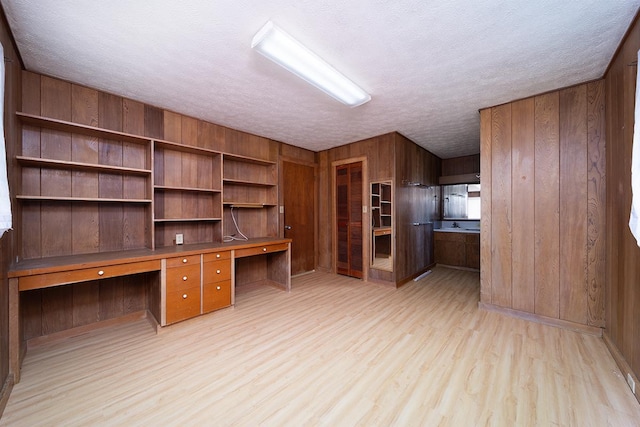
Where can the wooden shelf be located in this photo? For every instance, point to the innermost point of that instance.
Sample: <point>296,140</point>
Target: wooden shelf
<point>184,148</point>
<point>246,205</point>
<point>81,199</point>
<point>186,219</point>
<point>247,183</point>
<point>246,159</point>
<point>63,164</point>
<point>192,189</point>
<point>65,126</point>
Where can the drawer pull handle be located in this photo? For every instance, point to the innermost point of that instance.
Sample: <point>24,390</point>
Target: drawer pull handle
<point>184,278</point>
<point>184,260</point>
<point>264,249</point>
<point>217,255</point>
<point>100,273</point>
<point>218,287</point>
<point>184,296</point>
<point>218,271</point>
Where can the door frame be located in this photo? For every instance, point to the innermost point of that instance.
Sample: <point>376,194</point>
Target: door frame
<point>365,214</point>
<point>316,192</point>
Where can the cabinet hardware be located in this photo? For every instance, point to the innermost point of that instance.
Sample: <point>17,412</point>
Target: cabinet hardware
<point>184,260</point>
<point>217,271</point>
<point>184,296</point>
<point>184,278</point>
<point>100,273</point>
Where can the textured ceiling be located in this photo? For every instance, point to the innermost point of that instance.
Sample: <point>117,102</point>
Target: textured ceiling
<point>429,66</point>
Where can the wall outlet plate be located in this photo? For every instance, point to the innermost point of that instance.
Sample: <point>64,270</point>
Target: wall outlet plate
<point>631,382</point>
<point>179,239</point>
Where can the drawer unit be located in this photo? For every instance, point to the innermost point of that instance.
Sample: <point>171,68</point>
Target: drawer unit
<point>216,290</point>
<point>183,277</point>
<point>183,261</point>
<point>183,288</point>
<point>265,249</point>
<point>216,256</point>
<point>216,271</point>
<point>183,304</point>
<point>216,295</point>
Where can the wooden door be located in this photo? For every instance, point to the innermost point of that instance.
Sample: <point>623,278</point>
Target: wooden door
<point>349,219</point>
<point>299,207</point>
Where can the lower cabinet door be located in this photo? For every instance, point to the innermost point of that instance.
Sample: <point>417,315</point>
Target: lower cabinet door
<point>183,304</point>
<point>216,295</point>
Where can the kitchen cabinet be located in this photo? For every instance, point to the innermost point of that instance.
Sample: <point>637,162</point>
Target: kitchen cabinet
<point>457,249</point>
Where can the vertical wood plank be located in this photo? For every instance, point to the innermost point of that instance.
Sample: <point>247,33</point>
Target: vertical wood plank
<point>31,242</point>
<point>573,204</point>
<point>153,122</point>
<point>523,190</point>
<point>501,206</point>
<point>135,218</point>
<point>547,206</point>
<point>56,217</point>
<point>85,217</point>
<point>596,193</point>
<point>85,303</point>
<point>57,309</point>
<point>110,185</point>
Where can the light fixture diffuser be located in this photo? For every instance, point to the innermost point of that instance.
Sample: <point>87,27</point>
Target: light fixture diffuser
<point>287,52</point>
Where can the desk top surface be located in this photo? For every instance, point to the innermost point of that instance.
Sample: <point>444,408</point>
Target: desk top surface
<point>71,262</point>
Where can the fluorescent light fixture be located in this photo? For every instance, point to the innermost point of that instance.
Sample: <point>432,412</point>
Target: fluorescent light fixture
<point>286,51</point>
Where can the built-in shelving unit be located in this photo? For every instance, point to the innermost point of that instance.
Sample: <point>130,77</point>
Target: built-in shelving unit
<point>150,189</point>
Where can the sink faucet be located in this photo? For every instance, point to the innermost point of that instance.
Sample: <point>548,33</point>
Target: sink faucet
<point>455,225</point>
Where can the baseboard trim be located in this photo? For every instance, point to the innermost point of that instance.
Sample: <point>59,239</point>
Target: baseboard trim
<point>7,387</point>
<point>80,330</point>
<point>625,368</point>
<point>558,323</point>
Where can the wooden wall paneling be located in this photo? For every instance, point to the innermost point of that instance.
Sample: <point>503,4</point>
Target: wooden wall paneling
<point>547,205</point>
<point>31,241</point>
<point>137,219</point>
<point>596,196</point>
<point>112,297</point>
<point>84,217</point>
<point>622,253</point>
<point>153,122</point>
<point>325,195</point>
<point>57,309</point>
<point>573,204</point>
<point>31,314</point>
<point>501,206</point>
<point>110,185</point>
<point>461,165</point>
<point>523,199</point>
<point>486,263</point>
<point>86,297</point>
<point>56,218</point>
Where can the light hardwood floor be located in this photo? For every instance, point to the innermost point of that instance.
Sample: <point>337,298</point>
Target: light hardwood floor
<point>335,351</point>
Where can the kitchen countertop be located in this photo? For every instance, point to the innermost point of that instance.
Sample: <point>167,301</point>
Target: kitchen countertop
<point>458,230</point>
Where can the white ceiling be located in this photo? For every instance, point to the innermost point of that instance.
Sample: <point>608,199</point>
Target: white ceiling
<point>429,66</point>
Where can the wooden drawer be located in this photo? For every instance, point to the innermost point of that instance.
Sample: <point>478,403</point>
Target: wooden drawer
<point>82,275</point>
<point>216,256</point>
<point>216,271</point>
<point>183,304</point>
<point>185,260</point>
<point>265,249</point>
<point>179,278</point>
<point>216,296</point>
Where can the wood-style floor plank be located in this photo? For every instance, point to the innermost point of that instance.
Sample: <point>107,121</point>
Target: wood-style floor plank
<point>335,351</point>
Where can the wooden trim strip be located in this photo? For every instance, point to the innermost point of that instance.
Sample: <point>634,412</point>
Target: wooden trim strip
<point>625,368</point>
<point>558,323</point>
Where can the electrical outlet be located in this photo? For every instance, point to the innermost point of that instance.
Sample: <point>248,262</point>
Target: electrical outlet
<point>281,209</point>
<point>632,383</point>
<point>179,239</point>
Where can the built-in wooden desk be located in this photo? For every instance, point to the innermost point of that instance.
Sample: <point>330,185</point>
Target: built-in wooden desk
<point>194,279</point>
